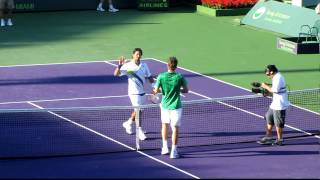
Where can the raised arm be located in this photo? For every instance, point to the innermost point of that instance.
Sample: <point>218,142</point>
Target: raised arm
<point>120,63</point>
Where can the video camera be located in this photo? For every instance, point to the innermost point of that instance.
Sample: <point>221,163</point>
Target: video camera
<point>257,89</point>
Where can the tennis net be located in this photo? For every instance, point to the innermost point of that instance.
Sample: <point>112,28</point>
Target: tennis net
<point>83,131</point>
<point>233,120</point>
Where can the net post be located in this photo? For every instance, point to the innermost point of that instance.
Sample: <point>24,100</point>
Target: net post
<point>137,121</point>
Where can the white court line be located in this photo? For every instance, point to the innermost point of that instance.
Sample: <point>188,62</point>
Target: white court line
<point>115,141</point>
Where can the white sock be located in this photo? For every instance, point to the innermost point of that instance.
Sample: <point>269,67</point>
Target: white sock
<point>130,121</point>
<point>100,5</point>
<point>174,147</point>
<point>165,143</point>
<point>111,6</point>
<point>2,20</point>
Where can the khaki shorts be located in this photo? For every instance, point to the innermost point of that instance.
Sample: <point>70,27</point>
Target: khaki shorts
<point>6,4</point>
<point>276,117</point>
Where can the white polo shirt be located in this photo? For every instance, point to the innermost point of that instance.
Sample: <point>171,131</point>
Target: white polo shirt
<point>280,93</point>
<point>136,76</point>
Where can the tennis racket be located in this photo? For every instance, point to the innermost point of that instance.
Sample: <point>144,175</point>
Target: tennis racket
<point>155,98</point>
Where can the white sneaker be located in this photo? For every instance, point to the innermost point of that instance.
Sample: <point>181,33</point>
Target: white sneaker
<point>164,151</point>
<point>3,23</point>
<point>100,9</point>
<point>9,22</point>
<point>128,127</point>
<point>174,154</point>
<point>112,9</point>
<point>141,134</point>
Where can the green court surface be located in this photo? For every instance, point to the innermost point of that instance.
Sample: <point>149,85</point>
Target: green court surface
<point>214,46</point>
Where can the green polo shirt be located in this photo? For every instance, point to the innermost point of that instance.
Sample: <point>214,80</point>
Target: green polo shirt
<point>170,84</point>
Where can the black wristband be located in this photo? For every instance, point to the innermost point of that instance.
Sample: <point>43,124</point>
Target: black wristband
<point>119,66</point>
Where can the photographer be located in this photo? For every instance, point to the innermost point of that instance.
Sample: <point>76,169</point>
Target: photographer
<point>277,111</point>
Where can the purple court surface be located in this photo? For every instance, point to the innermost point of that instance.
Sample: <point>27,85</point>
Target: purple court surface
<point>92,84</point>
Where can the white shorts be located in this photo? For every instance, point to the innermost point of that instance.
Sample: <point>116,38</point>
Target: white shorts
<point>171,116</point>
<point>137,100</point>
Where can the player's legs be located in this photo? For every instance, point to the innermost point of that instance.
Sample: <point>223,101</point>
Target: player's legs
<point>279,119</point>
<point>164,135</point>
<point>175,133</point>
<point>111,8</point>
<point>128,124</point>
<point>2,11</point>
<point>133,116</point>
<point>165,121</point>
<point>6,7</point>
<point>279,133</point>
<point>100,6</point>
<point>175,117</point>
<point>9,12</point>
<point>270,123</point>
<point>269,130</point>
<point>136,100</point>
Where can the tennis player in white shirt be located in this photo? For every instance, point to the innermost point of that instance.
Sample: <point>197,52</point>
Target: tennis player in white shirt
<point>137,73</point>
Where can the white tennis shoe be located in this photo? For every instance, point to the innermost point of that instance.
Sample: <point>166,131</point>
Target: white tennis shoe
<point>174,154</point>
<point>100,9</point>
<point>9,22</point>
<point>141,134</point>
<point>113,10</point>
<point>128,127</point>
<point>3,23</point>
<point>164,150</point>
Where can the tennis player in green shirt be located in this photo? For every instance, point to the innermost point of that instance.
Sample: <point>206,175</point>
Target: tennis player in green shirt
<point>170,84</point>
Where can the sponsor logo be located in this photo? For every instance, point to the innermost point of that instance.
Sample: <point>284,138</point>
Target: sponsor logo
<point>259,12</point>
